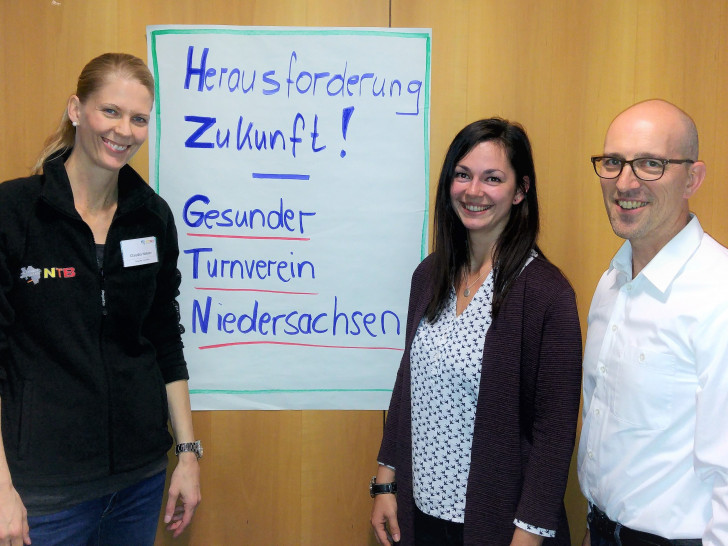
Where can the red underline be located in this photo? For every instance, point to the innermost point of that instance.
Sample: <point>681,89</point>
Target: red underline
<point>297,345</point>
<point>258,290</point>
<point>248,237</point>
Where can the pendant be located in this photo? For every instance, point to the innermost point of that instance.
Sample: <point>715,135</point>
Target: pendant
<point>466,293</point>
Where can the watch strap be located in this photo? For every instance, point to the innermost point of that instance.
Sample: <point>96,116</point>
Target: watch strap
<point>381,488</point>
<point>194,447</point>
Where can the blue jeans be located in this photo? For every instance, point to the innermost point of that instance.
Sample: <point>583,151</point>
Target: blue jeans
<point>123,518</point>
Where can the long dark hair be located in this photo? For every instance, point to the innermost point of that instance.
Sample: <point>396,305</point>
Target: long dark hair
<point>518,239</point>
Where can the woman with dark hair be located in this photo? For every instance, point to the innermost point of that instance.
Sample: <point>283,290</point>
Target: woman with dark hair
<point>91,363</point>
<point>481,423</point>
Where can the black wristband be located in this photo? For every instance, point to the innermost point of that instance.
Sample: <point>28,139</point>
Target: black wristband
<point>381,488</point>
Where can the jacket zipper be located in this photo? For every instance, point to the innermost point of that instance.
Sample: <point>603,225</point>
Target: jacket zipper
<point>104,311</point>
<point>104,314</point>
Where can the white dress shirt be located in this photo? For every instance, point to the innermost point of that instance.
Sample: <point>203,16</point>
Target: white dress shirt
<point>653,453</point>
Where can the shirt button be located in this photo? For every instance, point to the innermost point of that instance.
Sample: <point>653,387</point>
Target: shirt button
<point>596,412</point>
<point>602,369</point>
<point>614,327</point>
<point>591,454</point>
<point>642,357</point>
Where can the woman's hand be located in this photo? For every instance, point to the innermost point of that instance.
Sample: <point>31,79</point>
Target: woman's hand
<point>184,485</point>
<point>384,519</point>
<point>13,518</point>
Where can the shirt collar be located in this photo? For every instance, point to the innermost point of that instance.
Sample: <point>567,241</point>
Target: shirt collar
<point>668,262</point>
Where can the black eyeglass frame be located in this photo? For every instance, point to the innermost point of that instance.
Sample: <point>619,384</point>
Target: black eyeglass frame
<point>623,162</point>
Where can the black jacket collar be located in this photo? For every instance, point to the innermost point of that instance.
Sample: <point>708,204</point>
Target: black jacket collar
<point>133,190</point>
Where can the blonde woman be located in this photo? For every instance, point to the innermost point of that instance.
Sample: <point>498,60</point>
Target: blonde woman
<point>91,363</point>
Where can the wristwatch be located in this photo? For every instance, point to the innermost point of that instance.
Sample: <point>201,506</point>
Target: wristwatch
<point>194,447</point>
<point>379,488</point>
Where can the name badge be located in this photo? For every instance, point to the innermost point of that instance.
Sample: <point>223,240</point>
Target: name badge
<point>139,251</point>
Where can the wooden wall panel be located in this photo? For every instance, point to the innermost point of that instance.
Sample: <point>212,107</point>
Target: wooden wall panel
<point>563,68</point>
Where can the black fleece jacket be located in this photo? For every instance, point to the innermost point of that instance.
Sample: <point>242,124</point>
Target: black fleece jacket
<point>84,353</point>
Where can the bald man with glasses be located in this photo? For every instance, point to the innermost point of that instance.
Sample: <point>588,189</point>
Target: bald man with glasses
<point>653,454</point>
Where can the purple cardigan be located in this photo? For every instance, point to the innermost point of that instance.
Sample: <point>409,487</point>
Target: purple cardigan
<point>525,422</point>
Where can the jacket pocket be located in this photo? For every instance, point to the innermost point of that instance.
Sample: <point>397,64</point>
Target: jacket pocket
<point>26,418</point>
<point>164,413</point>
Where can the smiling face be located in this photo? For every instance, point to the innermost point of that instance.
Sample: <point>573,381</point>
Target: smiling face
<point>649,214</point>
<point>484,189</point>
<point>112,123</point>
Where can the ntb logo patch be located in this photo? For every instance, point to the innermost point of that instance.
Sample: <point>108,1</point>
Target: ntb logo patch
<point>33,275</point>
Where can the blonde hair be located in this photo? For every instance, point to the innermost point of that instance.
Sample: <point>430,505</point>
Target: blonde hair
<point>93,76</point>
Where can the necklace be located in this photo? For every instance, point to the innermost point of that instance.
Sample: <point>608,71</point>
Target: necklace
<point>466,292</point>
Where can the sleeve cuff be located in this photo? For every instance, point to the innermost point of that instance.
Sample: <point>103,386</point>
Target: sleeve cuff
<point>533,529</point>
<point>175,373</point>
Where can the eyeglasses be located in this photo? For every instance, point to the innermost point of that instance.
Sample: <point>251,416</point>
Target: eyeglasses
<point>645,168</point>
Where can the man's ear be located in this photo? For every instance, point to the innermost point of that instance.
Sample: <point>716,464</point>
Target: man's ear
<point>696,176</point>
